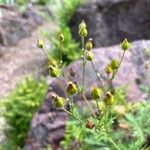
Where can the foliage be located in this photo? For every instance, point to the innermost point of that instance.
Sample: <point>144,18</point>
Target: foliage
<point>145,89</point>
<point>62,12</point>
<point>66,10</point>
<point>2,2</point>
<point>19,107</point>
<point>70,49</point>
<point>103,95</point>
<point>80,138</point>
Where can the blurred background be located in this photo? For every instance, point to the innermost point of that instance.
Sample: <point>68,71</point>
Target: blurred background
<point>28,119</point>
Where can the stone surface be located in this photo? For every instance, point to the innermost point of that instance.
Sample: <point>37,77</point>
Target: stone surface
<point>24,59</point>
<point>15,26</point>
<point>135,66</point>
<point>110,21</point>
<point>51,122</point>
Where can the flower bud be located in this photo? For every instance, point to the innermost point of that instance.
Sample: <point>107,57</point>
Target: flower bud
<point>83,32</point>
<point>54,71</point>
<point>59,101</point>
<point>125,45</point>
<point>89,56</point>
<point>96,93</point>
<point>52,62</point>
<point>40,43</point>
<point>89,124</point>
<point>82,24</point>
<point>109,99</point>
<point>89,44</point>
<point>61,37</point>
<point>108,69</point>
<point>71,88</point>
<point>114,64</point>
<point>82,29</point>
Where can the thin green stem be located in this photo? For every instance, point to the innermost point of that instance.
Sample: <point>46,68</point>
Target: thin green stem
<point>96,73</point>
<point>113,142</point>
<point>74,116</point>
<point>45,52</point>
<point>83,76</point>
<point>105,120</point>
<point>85,99</point>
<point>118,67</point>
<point>60,52</point>
<point>84,62</point>
<point>72,109</point>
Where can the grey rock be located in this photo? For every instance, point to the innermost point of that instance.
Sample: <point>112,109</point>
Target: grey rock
<point>132,69</point>
<point>110,21</point>
<point>14,27</point>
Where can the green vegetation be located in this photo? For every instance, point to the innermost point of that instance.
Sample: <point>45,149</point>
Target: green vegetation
<point>70,49</point>
<point>19,107</point>
<point>130,130</point>
<point>61,12</point>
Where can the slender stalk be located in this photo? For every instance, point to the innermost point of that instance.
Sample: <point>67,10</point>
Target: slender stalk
<point>84,62</point>
<point>60,53</point>
<point>74,116</point>
<point>118,67</point>
<point>114,144</point>
<point>96,73</point>
<point>45,52</point>
<point>85,99</point>
<point>62,88</point>
<point>72,109</point>
<point>97,104</point>
<point>83,76</point>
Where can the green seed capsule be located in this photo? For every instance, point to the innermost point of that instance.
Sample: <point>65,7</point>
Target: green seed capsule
<point>125,45</point>
<point>89,56</point>
<point>61,37</point>
<point>114,64</point>
<point>71,88</point>
<point>109,99</point>
<point>83,32</point>
<point>54,71</point>
<point>89,44</point>
<point>40,43</point>
<point>82,29</point>
<point>82,24</point>
<point>52,62</point>
<point>108,69</point>
<point>59,101</point>
<point>96,93</point>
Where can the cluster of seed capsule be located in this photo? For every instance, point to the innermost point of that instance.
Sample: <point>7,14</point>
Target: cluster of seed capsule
<point>72,89</point>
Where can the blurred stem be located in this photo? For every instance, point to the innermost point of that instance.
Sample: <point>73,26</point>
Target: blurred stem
<point>84,62</point>
<point>60,52</point>
<point>98,77</point>
<point>62,87</point>
<point>72,106</point>
<point>85,99</point>
<point>70,113</point>
<point>45,52</point>
<point>83,76</point>
<point>114,73</point>
<point>114,144</point>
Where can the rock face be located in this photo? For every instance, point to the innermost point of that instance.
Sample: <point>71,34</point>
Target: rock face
<point>22,60</point>
<point>110,21</point>
<point>14,27</point>
<point>47,126</point>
